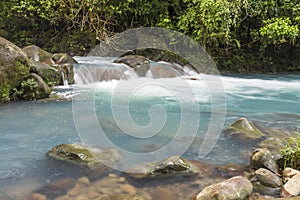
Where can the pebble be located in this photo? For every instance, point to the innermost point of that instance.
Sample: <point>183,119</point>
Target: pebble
<point>75,190</point>
<point>129,189</point>
<point>84,180</point>
<point>37,196</point>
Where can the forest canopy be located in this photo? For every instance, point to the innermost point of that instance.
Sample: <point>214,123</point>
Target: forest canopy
<point>264,34</point>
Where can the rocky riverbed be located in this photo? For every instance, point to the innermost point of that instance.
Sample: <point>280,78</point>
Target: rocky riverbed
<point>176,177</point>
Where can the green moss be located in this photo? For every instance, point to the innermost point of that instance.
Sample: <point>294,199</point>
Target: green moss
<point>72,153</point>
<point>21,68</point>
<point>4,93</point>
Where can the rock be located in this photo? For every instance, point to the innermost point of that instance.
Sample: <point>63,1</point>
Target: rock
<point>291,188</point>
<point>84,180</point>
<point>139,63</point>
<point>264,190</point>
<point>288,198</point>
<point>257,196</point>
<point>51,75</point>
<point>236,188</point>
<point>267,178</point>
<point>43,90</point>
<point>274,145</point>
<point>128,189</point>
<point>37,196</point>
<point>161,193</point>
<point>228,171</point>
<point>57,188</point>
<point>14,68</point>
<point>171,166</point>
<point>63,58</point>
<point>166,70</point>
<point>262,158</point>
<point>121,197</point>
<point>94,159</point>
<point>244,130</point>
<point>36,53</point>
<point>65,64</point>
<point>288,173</point>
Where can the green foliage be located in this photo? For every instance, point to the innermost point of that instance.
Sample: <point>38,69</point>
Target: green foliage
<point>28,90</point>
<point>291,152</point>
<point>211,21</point>
<point>4,94</point>
<point>279,31</point>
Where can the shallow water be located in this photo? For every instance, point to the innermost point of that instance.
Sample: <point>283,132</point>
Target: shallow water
<point>29,129</point>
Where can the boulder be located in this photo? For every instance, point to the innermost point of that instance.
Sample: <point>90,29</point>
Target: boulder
<point>96,159</point>
<point>236,188</point>
<point>51,75</point>
<point>35,53</point>
<point>288,173</point>
<point>291,188</point>
<point>267,178</point>
<point>140,64</point>
<point>274,145</point>
<point>33,88</point>
<point>262,158</point>
<point>244,130</point>
<point>171,166</point>
<point>266,182</point>
<point>65,64</point>
<point>14,68</point>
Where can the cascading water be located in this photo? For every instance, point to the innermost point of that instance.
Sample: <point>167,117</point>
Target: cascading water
<point>97,69</point>
<point>65,81</point>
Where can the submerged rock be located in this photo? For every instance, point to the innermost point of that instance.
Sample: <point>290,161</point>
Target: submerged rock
<point>90,157</point>
<point>262,158</point>
<point>121,197</point>
<point>171,166</point>
<point>244,130</point>
<point>236,188</point>
<point>274,145</point>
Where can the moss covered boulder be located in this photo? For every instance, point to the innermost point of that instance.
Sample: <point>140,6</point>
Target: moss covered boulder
<point>172,166</point>
<point>97,160</point>
<point>14,68</point>
<point>51,75</point>
<point>35,53</point>
<point>244,130</point>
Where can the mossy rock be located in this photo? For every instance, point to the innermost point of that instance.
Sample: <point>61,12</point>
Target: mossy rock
<point>14,68</point>
<point>51,75</point>
<point>244,130</point>
<point>74,153</point>
<point>172,166</point>
<point>35,53</point>
<point>79,154</point>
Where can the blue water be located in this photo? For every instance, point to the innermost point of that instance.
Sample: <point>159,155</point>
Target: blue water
<point>29,129</point>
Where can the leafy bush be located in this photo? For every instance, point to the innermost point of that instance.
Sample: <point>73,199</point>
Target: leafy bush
<point>28,90</point>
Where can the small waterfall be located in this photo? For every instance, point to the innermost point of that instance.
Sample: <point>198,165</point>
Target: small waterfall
<point>65,81</point>
<point>97,69</point>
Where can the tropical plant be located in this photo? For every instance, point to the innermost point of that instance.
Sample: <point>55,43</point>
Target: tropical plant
<point>291,152</point>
